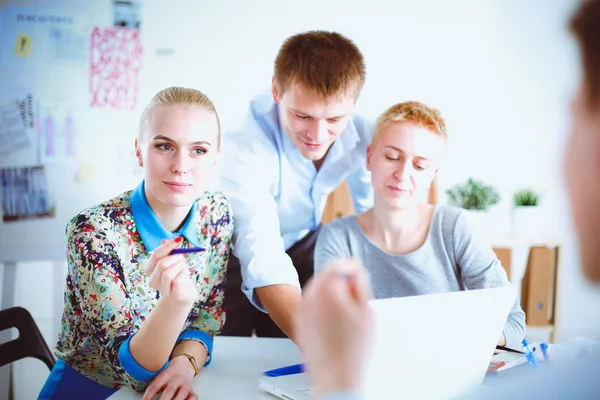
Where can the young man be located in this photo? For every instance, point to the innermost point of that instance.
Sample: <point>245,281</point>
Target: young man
<point>331,329</point>
<point>298,143</point>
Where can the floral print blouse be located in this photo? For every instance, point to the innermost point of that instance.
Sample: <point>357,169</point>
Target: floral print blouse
<point>107,294</point>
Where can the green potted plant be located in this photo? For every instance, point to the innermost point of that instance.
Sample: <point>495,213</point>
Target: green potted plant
<point>526,198</point>
<point>475,196</point>
<point>526,218</point>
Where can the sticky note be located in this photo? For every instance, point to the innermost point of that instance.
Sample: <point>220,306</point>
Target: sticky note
<point>23,45</point>
<point>85,173</point>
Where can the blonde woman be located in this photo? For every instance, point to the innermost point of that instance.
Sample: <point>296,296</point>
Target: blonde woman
<point>136,315</point>
<point>408,246</point>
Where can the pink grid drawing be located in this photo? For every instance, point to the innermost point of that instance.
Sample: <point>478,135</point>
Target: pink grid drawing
<point>115,61</point>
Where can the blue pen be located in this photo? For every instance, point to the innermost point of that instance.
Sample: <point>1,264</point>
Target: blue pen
<point>531,360</point>
<point>186,251</point>
<point>544,347</point>
<point>290,370</point>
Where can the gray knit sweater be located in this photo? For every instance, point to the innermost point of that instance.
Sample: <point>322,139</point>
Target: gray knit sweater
<point>451,259</point>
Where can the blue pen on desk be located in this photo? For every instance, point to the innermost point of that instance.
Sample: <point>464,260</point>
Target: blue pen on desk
<point>544,347</point>
<point>187,250</point>
<point>290,370</point>
<point>531,360</point>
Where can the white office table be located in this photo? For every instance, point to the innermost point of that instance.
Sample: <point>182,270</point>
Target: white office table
<point>238,364</point>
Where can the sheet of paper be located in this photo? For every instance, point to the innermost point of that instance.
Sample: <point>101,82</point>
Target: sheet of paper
<point>23,45</point>
<point>25,194</point>
<point>115,63</point>
<point>26,105</point>
<point>69,45</point>
<point>85,172</point>
<point>18,136</point>
<point>13,136</point>
<point>58,132</point>
<point>33,36</point>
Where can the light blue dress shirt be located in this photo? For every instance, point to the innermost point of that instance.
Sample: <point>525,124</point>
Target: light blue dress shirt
<point>277,195</point>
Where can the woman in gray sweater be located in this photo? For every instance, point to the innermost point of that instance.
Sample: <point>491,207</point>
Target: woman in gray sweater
<point>411,247</point>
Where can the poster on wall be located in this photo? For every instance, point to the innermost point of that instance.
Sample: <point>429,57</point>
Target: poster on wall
<point>26,105</point>
<point>69,46</point>
<point>25,194</point>
<point>58,132</point>
<point>18,138</point>
<point>126,14</point>
<point>12,130</point>
<point>116,56</point>
<point>33,36</point>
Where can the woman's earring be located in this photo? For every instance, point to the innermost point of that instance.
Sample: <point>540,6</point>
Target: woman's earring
<point>140,161</point>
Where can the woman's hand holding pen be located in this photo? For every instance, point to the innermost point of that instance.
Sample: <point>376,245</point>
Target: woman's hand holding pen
<point>169,274</point>
<point>154,342</point>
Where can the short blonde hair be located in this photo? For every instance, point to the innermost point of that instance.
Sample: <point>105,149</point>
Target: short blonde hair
<point>186,97</point>
<point>413,112</point>
<point>325,63</point>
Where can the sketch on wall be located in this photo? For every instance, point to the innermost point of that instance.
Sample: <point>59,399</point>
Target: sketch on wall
<point>25,194</point>
<point>18,140</point>
<point>57,133</point>
<point>116,55</point>
<point>26,107</point>
<point>12,130</point>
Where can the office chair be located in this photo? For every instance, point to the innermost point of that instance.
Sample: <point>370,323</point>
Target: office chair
<point>30,342</point>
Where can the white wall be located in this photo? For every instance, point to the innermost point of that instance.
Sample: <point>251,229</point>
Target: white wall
<point>501,71</point>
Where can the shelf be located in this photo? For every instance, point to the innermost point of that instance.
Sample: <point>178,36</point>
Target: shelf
<point>513,241</point>
<point>540,327</point>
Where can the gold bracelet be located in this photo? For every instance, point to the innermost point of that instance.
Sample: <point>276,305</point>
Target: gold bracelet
<point>192,361</point>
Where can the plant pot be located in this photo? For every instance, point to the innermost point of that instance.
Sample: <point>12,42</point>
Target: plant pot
<point>479,221</point>
<point>527,222</point>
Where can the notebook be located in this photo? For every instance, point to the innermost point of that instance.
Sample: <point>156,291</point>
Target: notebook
<point>503,360</point>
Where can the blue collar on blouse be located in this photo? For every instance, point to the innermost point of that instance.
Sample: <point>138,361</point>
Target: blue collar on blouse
<point>150,228</point>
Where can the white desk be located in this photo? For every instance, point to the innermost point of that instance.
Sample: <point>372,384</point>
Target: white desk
<point>237,366</point>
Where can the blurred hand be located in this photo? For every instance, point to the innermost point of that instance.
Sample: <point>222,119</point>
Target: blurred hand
<point>175,382</point>
<point>334,327</point>
<point>169,274</point>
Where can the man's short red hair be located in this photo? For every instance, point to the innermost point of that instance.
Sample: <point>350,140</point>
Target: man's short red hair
<point>325,63</point>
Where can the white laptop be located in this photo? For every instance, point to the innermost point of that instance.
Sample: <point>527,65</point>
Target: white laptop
<point>426,347</point>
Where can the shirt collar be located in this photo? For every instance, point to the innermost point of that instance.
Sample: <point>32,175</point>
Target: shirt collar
<point>150,228</point>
